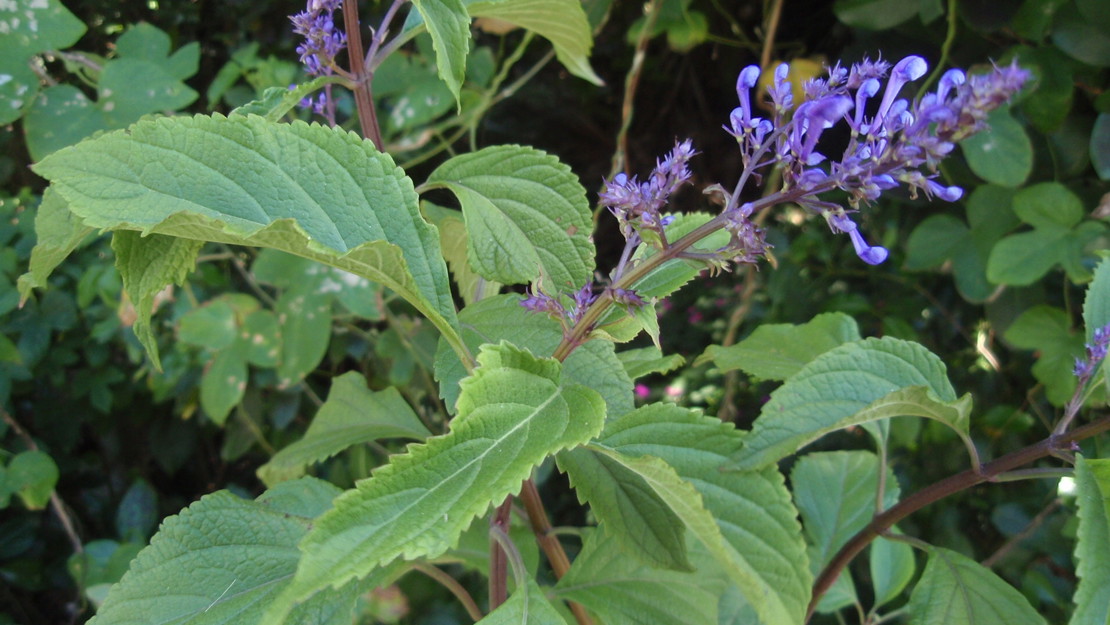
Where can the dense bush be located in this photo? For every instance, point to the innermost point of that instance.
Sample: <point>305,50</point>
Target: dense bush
<point>219,312</point>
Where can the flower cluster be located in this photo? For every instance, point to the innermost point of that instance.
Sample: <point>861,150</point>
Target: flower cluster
<point>894,142</point>
<point>540,302</point>
<point>322,42</point>
<point>638,205</point>
<point>1096,353</point>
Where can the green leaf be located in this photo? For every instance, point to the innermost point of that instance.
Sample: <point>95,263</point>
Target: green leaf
<point>1100,146</point>
<point>1048,205</point>
<point>526,216</point>
<point>32,475</point>
<point>1092,596</point>
<point>513,413</point>
<point>778,351</point>
<point>562,22</point>
<point>1080,37</point>
<point>503,318</point>
<point>642,524</point>
<point>449,25</point>
<point>215,324</point>
<point>851,384</point>
<point>621,590</point>
<point>317,192</point>
<point>224,382</point>
<point>30,28</point>
<point>835,494</point>
<point>746,520</point>
<point>352,415</point>
<point>955,590</point>
<point>233,556</point>
<point>671,275</point>
<point>525,607</point>
<point>1048,331</point>
<point>1096,305</point>
<point>305,317</point>
<point>1022,259</point>
<point>148,266</point>
<point>137,515</point>
<point>892,567</point>
<point>647,360</point>
<point>874,14</point>
<point>1003,154</point>
<point>59,233</point>
<point>934,241</point>
<point>454,243</point>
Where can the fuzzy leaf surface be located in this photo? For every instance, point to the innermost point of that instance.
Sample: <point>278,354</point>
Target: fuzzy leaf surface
<point>851,384</point>
<point>526,216</point>
<point>147,266</point>
<point>619,589</point>
<point>512,414</point>
<point>313,191</point>
<point>449,25</point>
<point>746,520</point>
<point>352,414</point>
<point>1092,596</point>
<point>525,607</point>
<point>956,590</point>
<point>501,317</point>
<point>59,234</point>
<point>642,523</point>
<point>223,559</point>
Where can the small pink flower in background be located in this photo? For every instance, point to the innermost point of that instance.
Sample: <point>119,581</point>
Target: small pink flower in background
<point>694,315</point>
<point>642,391</point>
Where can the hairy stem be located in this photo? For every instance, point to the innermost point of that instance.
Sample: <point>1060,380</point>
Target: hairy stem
<point>939,490</point>
<point>498,564</point>
<point>364,98</point>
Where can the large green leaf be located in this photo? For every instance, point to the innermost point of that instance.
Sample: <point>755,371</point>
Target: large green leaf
<point>352,415</point>
<point>746,520</point>
<point>449,25</point>
<point>223,559</point>
<point>526,216</point>
<point>30,28</point>
<point>1003,154</point>
<point>525,607</point>
<point>956,590</point>
<point>503,318</point>
<point>620,589</point>
<point>1048,331</point>
<point>454,243</point>
<point>313,191</point>
<point>835,494</point>
<point>1092,597</point>
<point>512,414</point>
<point>147,266</point>
<point>851,384</point>
<point>778,351</point>
<point>640,522</point>
<point>59,233</point>
<point>562,22</point>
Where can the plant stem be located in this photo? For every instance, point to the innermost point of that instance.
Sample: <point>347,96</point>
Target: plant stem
<point>452,585</point>
<point>549,542</point>
<point>498,564</point>
<point>939,490</point>
<point>631,81</point>
<point>364,98</point>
